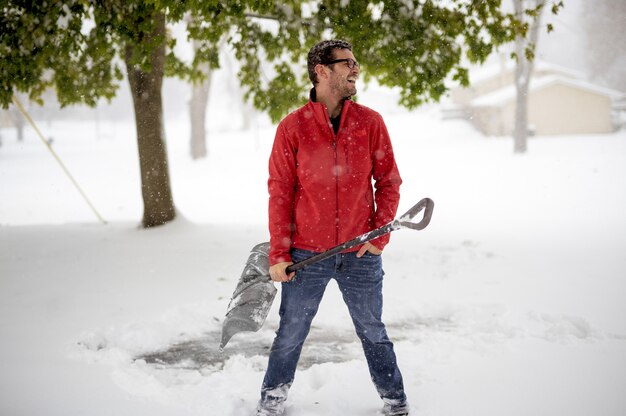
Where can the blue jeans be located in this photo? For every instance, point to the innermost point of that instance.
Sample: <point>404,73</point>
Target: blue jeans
<point>360,281</point>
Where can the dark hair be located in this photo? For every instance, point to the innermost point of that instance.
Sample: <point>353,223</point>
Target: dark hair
<point>323,52</point>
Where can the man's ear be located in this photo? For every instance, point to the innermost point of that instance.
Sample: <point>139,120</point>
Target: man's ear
<point>321,71</point>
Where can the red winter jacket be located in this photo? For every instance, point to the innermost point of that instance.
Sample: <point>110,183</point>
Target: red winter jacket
<point>320,184</point>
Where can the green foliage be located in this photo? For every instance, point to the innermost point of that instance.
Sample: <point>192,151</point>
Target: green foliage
<point>523,22</point>
<point>42,45</point>
<point>78,46</point>
<point>416,45</point>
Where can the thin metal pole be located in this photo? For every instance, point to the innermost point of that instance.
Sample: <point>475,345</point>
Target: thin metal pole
<point>58,159</point>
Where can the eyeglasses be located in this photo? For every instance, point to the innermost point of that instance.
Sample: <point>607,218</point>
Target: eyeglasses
<point>351,63</point>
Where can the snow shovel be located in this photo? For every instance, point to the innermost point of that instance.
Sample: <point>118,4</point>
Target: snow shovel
<point>255,291</point>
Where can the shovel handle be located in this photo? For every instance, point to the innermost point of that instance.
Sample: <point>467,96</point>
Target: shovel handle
<point>425,204</point>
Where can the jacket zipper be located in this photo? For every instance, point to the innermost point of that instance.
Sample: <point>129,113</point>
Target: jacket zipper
<point>335,170</point>
<point>336,191</point>
<point>336,173</point>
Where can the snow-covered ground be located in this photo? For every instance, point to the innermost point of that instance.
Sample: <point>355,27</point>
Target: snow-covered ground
<point>512,301</point>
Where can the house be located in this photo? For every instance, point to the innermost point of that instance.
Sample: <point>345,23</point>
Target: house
<point>559,102</point>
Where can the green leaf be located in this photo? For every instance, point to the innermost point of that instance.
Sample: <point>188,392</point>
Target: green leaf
<point>416,46</point>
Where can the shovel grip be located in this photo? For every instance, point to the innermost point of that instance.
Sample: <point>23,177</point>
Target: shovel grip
<point>425,204</point>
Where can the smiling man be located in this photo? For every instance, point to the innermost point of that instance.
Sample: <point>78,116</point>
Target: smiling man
<point>324,159</point>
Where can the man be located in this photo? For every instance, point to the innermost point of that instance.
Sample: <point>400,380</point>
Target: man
<point>324,158</point>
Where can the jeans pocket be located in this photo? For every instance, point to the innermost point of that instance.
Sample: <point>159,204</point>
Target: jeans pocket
<point>368,266</point>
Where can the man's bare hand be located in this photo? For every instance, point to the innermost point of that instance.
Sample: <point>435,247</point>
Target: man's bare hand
<point>369,247</point>
<point>277,272</point>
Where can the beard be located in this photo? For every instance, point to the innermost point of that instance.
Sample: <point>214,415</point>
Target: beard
<point>342,87</point>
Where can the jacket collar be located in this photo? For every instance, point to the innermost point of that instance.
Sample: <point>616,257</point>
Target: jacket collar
<point>320,110</point>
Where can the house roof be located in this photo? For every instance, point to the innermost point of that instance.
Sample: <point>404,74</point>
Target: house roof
<point>480,74</point>
<point>507,94</point>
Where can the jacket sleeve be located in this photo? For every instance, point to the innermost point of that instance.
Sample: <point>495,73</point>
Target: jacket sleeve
<point>386,180</point>
<point>281,186</point>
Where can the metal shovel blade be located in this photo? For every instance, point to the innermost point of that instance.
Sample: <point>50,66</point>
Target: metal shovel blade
<point>252,298</point>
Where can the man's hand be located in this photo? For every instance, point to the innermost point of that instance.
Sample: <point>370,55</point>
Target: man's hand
<point>277,272</point>
<point>369,247</point>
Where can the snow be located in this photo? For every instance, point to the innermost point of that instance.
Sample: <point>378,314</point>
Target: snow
<point>510,302</point>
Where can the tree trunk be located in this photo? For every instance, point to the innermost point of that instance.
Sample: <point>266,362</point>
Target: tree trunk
<point>197,111</point>
<point>18,119</point>
<point>523,73</point>
<point>520,133</point>
<point>146,91</point>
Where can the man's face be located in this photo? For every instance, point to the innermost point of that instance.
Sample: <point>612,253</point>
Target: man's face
<point>343,79</point>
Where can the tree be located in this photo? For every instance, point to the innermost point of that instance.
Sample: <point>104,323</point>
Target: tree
<point>524,53</point>
<point>606,42</point>
<point>197,111</point>
<point>78,47</point>
<point>18,120</point>
<point>415,45</point>
<point>528,13</point>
